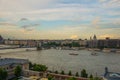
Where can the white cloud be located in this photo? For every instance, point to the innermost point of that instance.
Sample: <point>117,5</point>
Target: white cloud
<point>111,4</point>
<point>95,22</point>
<point>23,5</point>
<point>51,14</point>
<point>102,0</point>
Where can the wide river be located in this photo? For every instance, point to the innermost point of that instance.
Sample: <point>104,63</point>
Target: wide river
<point>61,60</point>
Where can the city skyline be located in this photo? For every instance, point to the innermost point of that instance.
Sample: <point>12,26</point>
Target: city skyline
<point>59,19</point>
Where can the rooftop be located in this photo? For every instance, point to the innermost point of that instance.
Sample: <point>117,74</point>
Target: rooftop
<point>111,75</point>
<point>7,61</point>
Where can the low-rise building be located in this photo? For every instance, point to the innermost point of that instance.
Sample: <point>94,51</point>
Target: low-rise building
<point>9,64</point>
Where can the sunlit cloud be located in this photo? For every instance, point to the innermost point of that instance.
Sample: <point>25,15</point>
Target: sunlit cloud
<point>74,37</point>
<point>107,35</point>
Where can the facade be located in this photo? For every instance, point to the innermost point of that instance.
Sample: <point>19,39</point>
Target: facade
<point>109,43</point>
<point>103,43</point>
<point>93,42</point>
<point>9,64</point>
<point>22,43</point>
<point>83,43</point>
<point>67,41</point>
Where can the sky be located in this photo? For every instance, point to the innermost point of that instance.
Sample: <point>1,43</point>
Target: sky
<point>59,19</point>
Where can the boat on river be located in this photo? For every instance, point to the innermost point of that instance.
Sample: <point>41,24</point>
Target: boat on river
<point>94,54</point>
<point>73,54</point>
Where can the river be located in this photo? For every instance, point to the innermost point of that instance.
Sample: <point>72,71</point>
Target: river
<point>61,60</point>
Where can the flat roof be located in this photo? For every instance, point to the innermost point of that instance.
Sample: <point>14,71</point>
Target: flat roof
<point>112,76</point>
<point>8,61</point>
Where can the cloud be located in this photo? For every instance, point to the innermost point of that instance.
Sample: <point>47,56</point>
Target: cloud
<point>109,25</point>
<point>81,17</point>
<point>111,4</point>
<point>27,24</point>
<point>95,22</point>
<point>23,5</point>
<point>30,27</point>
<point>7,24</point>
<point>66,32</point>
<point>23,19</point>
<point>33,10</point>
<point>107,35</point>
<point>74,37</point>
<point>102,0</point>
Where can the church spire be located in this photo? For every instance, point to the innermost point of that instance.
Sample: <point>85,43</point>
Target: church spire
<point>90,38</point>
<point>94,37</point>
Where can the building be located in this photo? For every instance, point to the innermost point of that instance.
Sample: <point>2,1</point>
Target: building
<point>9,64</point>
<point>109,43</point>
<point>111,75</point>
<point>93,42</point>
<point>103,43</point>
<point>83,43</point>
<point>21,43</point>
<point>1,40</point>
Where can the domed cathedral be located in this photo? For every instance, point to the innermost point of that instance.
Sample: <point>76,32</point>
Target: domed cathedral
<point>1,39</point>
<point>93,42</point>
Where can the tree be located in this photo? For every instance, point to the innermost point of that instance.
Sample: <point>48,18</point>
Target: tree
<point>97,78</point>
<point>50,78</point>
<point>72,78</point>
<point>77,74</point>
<point>91,77</point>
<point>70,73</point>
<point>84,74</point>
<point>3,74</point>
<point>62,72</point>
<point>18,71</point>
<point>30,65</point>
<point>38,67</point>
<point>56,72</point>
